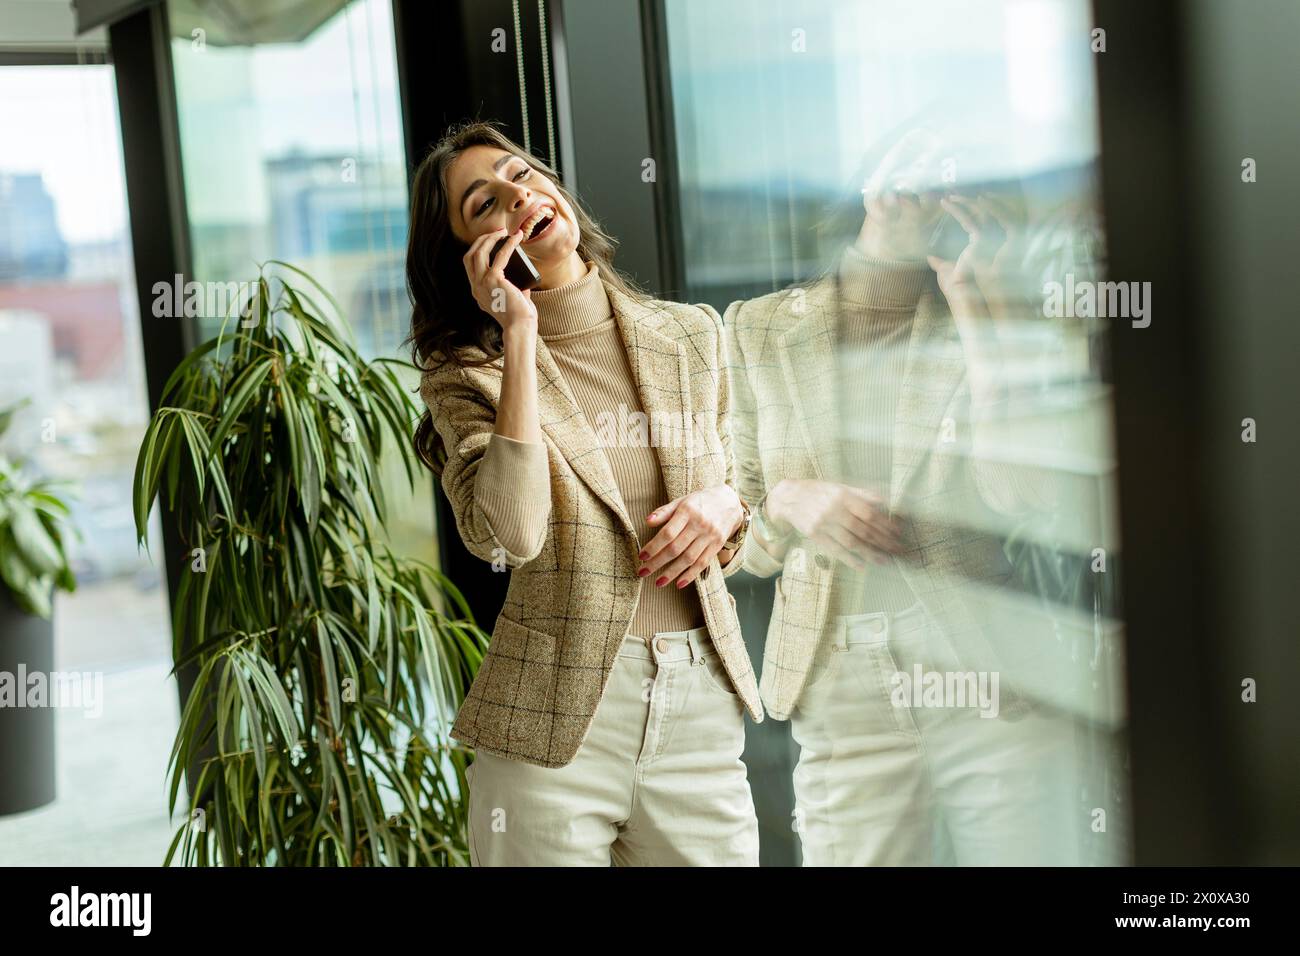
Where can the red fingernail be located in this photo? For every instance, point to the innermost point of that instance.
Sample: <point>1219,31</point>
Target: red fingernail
<point>642,555</point>
<point>643,572</point>
<point>682,584</point>
<point>661,582</point>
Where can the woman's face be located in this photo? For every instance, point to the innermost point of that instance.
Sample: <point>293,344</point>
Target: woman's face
<point>492,189</point>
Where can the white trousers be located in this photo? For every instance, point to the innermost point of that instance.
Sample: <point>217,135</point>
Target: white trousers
<point>886,779</point>
<point>658,780</point>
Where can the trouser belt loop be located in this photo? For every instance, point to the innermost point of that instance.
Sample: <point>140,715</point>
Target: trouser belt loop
<point>697,646</point>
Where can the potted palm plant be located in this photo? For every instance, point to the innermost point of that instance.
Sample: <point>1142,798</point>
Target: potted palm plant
<point>326,666</point>
<point>34,535</point>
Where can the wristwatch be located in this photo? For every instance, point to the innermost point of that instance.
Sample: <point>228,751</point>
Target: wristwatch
<point>738,536</point>
<point>768,531</point>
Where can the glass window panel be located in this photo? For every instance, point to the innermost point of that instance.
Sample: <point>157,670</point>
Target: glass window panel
<point>945,372</point>
<point>292,149</point>
<point>70,345</point>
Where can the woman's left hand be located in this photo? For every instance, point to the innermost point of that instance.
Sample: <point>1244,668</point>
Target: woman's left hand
<point>972,284</point>
<point>693,529</point>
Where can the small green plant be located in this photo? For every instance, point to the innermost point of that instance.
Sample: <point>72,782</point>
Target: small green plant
<point>34,531</point>
<point>327,666</point>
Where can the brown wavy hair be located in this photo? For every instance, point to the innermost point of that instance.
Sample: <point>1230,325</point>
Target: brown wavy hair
<point>447,324</point>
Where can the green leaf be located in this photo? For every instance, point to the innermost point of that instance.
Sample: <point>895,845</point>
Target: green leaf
<point>258,742</point>
<point>32,540</point>
<point>142,484</point>
<point>7,414</point>
<point>373,606</point>
<point>332,695</point>
<point>269,681</point>
<point>329,298</point>
<point>196,440</point>
<point>48,504</point>
<point>185,367</point>
<point>243,391</point>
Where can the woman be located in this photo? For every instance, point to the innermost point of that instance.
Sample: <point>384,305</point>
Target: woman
<point>863,409</point>
<point>608,714</point>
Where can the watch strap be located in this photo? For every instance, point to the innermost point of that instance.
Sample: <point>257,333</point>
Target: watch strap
<point>738,536</point>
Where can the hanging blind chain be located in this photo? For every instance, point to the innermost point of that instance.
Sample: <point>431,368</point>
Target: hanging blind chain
<point>519,64</point>
<point>546,80</point>
<point>546,85</point>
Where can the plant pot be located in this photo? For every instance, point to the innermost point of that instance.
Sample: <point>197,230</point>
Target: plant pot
<point>26,733</point>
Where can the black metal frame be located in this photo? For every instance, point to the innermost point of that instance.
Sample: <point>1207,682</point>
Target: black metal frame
<point>663,144</point>
<point>613,87</point>
<point>88,57</point>
<point>1209,783</point>
<point>446,74</point>
<point>141,53</point>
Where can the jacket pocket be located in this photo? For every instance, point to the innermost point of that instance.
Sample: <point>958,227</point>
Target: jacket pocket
<point>514,686</point>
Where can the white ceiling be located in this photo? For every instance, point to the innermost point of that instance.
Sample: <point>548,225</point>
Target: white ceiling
<point>45,25</point>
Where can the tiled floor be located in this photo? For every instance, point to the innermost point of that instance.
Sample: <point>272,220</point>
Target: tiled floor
<point>111,807</point>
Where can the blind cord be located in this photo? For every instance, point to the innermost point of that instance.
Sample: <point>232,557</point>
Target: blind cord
<point>519,65</point>
<point>546,85</point>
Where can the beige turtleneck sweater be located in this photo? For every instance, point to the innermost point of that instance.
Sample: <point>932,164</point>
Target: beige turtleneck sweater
<point>577,325</point>
<point>879,303</point>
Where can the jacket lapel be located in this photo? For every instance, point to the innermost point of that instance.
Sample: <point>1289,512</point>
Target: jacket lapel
<point>566,424</point>
<point>662,377</point>
<point>808,363</point>
<point>661,373</point>
<point>932,372</point>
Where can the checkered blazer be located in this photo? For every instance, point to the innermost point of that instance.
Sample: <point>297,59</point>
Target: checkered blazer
<point>785,425</point>
<point>568,608</point>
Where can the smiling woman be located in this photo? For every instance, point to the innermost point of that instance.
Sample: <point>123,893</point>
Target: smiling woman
<point>445,316</point>
<point>517,383</point>
<point>540,213</point>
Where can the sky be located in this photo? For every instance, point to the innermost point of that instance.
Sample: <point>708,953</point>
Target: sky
<point>746,107</point>
<point>61,121</point>
<point>336,92</point>
<point>1017,74</point>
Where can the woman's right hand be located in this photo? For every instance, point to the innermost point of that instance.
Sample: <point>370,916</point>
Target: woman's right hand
<point>495,294</point>
<point>900,201</point>
<point>848,523</point>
